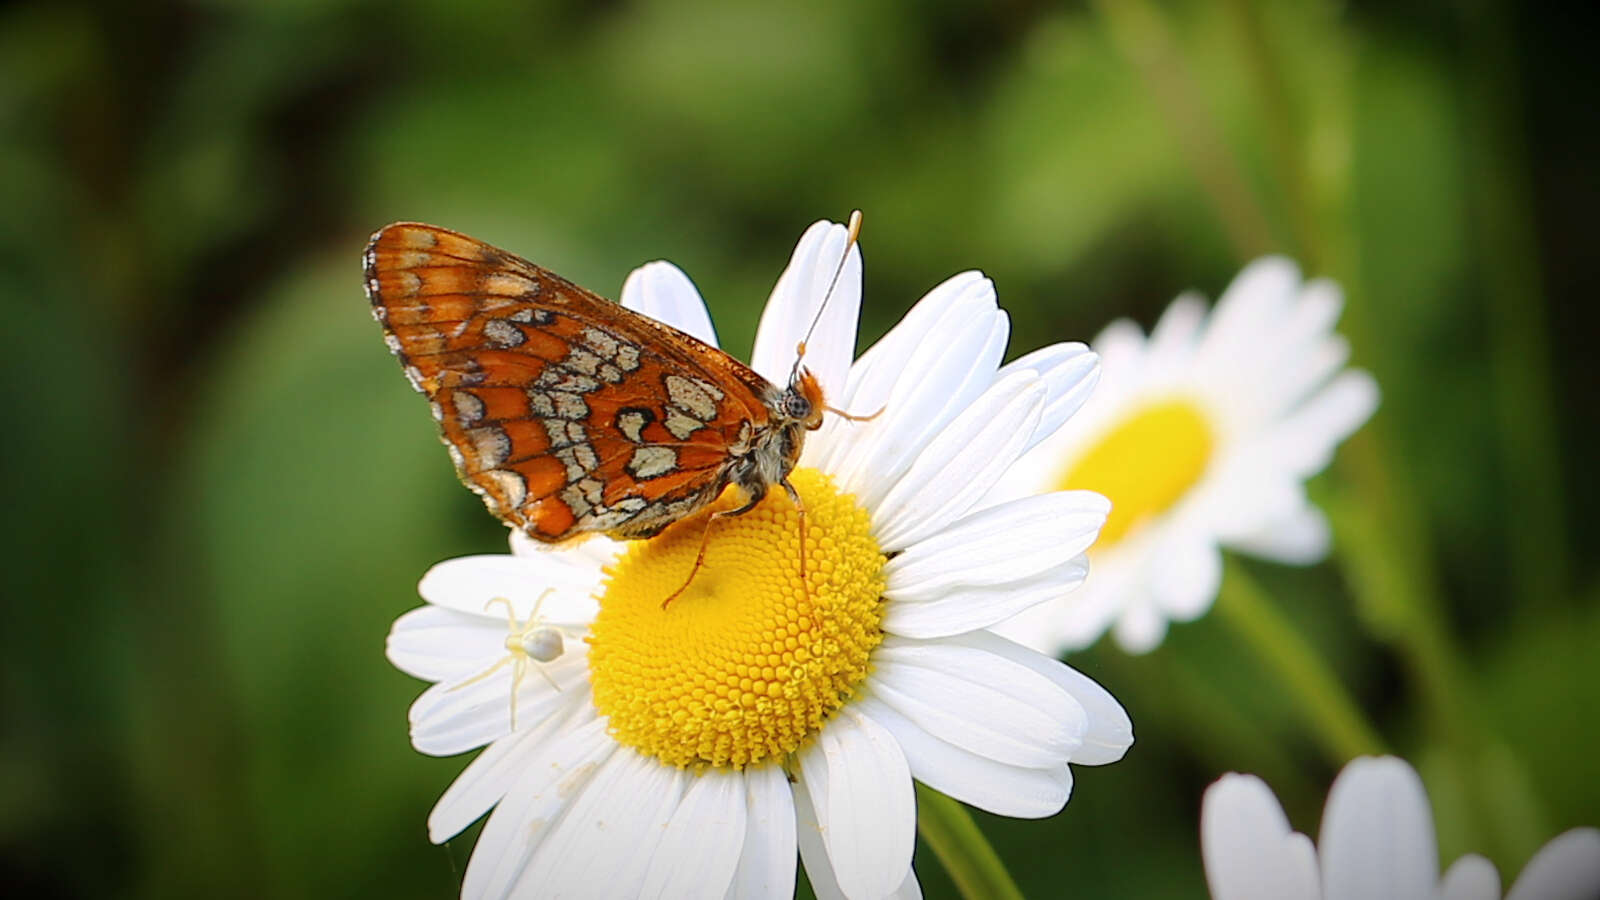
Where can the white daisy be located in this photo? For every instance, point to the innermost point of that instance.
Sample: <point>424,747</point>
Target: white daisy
<point>1202,435</point>
<point>690,751</point>
<point>1377,843</point>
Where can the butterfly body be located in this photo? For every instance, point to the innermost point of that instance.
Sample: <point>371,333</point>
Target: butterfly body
<point>567,413</point>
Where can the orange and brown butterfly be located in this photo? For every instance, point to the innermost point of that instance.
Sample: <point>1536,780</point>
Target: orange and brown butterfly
<point>570,414</point>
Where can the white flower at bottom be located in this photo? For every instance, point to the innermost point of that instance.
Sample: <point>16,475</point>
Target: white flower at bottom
<point>1377,843</point>
<point>1202,435</point>
<point>689,751</point>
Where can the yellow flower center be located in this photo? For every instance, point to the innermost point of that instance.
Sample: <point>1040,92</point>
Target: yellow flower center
<point>751,659</point>
<point>1145,464</point>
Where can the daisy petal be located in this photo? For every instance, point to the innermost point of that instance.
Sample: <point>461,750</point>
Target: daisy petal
<point>620,817</point>
<point>1307,437</point>
<point>1300,538</point>
<point>909,889</point>
<point>1000,544</point>
<point>1567,868</point>
<point>978,701</point>
<point>919,385</point>
<point>1140,627</point>
<point>1250,851</point>
<point>438,644</point>
<point>555,774</point>
<point>1377,840</point>
<point>661,291</point>
<point>767,858</point>
<point>470,583</point>
<point>808,834</point>
<point>456,716</point>
<point>1070,373</point>
<point>813,272</point>
<point>960,609</point>
<point>700,849</point>
<point>962,463</point>
<point>1471,877</point>
<point>862,796</point>
<point>1109,733</point>
<point>974,779</point>
<point>1178,329</point>
<point>486,779</point>
<point>1186,582</point>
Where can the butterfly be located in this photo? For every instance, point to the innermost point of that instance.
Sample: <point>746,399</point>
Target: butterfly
<point>570,414</point>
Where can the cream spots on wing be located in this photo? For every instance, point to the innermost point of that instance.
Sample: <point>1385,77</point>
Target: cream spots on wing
<point>648,462</point>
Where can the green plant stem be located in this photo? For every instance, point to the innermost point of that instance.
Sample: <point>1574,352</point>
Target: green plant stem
<point>962,849</point>
<point>1142,36</point>
<point>1519,348</point>
<point>1328,709</point>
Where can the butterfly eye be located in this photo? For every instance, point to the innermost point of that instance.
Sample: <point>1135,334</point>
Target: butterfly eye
<point>796,406</point>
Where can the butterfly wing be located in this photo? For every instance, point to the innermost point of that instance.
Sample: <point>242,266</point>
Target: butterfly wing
<point>566,412</point>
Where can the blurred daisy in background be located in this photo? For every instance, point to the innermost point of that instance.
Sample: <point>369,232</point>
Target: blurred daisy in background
<point>1202,435</point>
<point>1376,843</point>
<point>691,750</point>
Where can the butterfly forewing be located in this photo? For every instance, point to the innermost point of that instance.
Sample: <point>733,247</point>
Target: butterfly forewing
<point>568,413</point>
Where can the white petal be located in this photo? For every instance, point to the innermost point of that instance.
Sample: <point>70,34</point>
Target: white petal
<point>1000,544</point>
<point>1178,329</point>
<point>1070,373</point>
<point>1567,868</point>
<point>700,849</point>
<point>919,386</point>
<point>1305,440</point>
<point>590,553</point>
<point>1377,840</point>
<point>1250,851</point>
<point>962,463</point>
<point>1121,346</point>
<point>1471,877</point>
<point>909,889</point>
<point>1141,626</point>
<point>1300,538</point>
<point>486,779</point>
<point>438,644</point>
<point>978,701</point>
<point>808,828</point>
<point>974,779</point>
<point>1185,580</point>
<point>1259,296</point>
<point>556,774</point>
<point>471,583</point>
<point>603,843</point>
<point>767,858</point>
<point>1109,733</point>
<point>964,608</point>
<point>813,271</point>
<point>861,791</point>
<point>456,716</point>
<point>661,291</point>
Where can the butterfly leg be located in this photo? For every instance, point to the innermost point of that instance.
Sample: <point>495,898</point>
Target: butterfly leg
<point>800,507</point>
<point>705,541</point>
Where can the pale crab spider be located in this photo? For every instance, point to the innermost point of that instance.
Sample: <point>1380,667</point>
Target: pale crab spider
<point>525,641</point>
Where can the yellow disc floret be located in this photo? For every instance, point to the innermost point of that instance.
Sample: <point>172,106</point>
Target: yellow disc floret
<point>1145,464</point>
<point>750,660</point>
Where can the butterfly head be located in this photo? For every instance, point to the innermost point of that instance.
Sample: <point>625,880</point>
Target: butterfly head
<point>802,401</point>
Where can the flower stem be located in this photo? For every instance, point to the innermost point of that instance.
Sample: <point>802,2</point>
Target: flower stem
<point>1139,30</point>
<point>1329,710</point>
<point>962,849</point>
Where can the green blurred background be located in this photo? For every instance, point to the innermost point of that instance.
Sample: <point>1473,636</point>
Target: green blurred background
<point>219,491</point>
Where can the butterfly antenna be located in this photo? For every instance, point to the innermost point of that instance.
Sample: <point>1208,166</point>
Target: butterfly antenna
<point>852,234</point>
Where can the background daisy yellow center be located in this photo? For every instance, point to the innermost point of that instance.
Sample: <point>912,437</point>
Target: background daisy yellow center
<point>749,661</point>
<point>1145,464</point>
